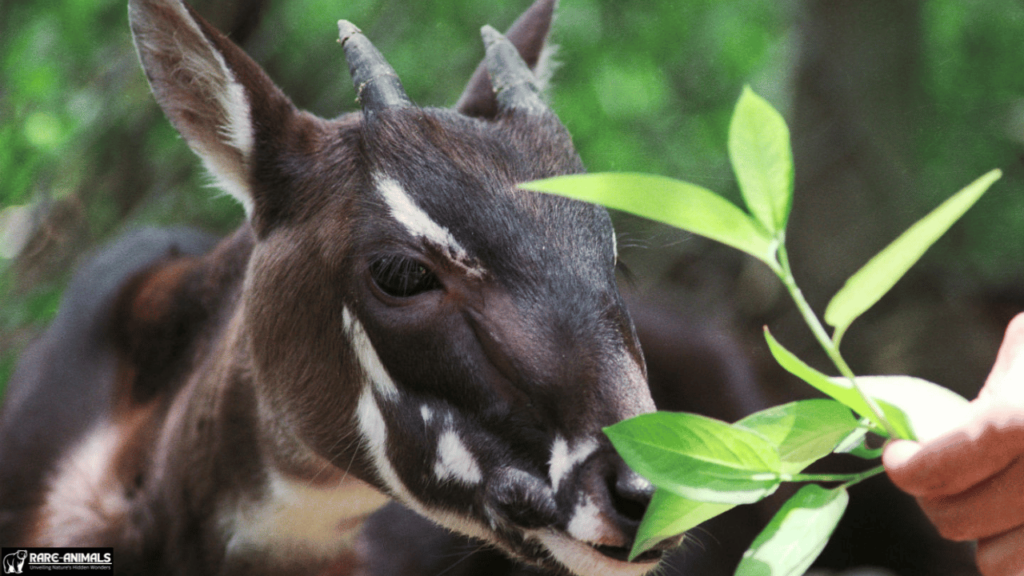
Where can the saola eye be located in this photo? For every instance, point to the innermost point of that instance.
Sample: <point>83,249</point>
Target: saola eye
<point>402,277</point>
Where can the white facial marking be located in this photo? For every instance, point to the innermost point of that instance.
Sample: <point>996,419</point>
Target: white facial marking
<point>558,466</point>
<point>455,461</point>
<point>586,524</point>
<point>416,221</point>
<point>375,433</point>
<point>293,515</point>
<point>419,224</point>
<point>583,560</point>
<point>374,430</point>
<point>564,460</point>
<point>368,358</point>
<point>589,525</point>
<point>426,413</point>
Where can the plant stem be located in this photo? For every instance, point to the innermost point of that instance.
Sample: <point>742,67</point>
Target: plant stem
<point>822,336</point>
<point>857,478</point>
<point>847,479</point>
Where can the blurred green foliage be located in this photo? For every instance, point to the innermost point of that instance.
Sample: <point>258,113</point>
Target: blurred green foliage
<point>645,86</point>
<point>975,122</point>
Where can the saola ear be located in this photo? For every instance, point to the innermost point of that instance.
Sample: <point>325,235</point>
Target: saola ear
<point>221,101</point>
<point>529,34</point>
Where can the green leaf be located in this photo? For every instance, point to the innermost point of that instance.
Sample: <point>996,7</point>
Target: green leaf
<point>797,534</point>
<point>669,515</point>
<point>762,159</point>
<point>840,389</point>
<point>805,431</point>
<point>862,451</point>
<point>930,409</point>
<point>673,202</point>
<point>697,457</point>
<point>856,445</point>
<point>897,418</point>
<point>882,272</point>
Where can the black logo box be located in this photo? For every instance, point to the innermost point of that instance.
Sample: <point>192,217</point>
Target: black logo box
<point>49,560</point>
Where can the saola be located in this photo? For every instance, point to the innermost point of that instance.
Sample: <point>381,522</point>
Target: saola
<point>395,319</point>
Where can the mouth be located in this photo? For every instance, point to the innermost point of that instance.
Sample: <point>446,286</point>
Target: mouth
<point>621,554</point>
<point>587,543</point>
<point>586,559</point>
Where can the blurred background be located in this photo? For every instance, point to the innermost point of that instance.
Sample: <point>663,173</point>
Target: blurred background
<point>894,105</point>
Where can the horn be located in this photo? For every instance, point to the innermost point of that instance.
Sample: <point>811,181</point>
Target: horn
<point>513,83</point>
<point>377,84</point>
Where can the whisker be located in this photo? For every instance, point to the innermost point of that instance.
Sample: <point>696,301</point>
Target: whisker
<point>463,559</point>
<point>327,463</point>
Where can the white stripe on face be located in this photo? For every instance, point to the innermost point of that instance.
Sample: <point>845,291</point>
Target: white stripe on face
<point>417,222</point>
<point>368,359</point>
<point>564,460</point>
<point>374,431</point>
<point>420,225</point>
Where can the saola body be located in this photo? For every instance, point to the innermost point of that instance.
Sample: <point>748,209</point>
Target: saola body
<point>396,319</point>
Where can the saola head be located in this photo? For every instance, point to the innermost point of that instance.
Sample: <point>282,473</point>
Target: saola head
<point>409,315</point>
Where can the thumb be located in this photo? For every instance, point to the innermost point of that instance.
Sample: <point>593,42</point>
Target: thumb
<point>898,453</point>
<point>1005,384</point>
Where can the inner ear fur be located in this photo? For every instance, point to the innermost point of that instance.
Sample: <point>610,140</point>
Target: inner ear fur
<point>221,102</point>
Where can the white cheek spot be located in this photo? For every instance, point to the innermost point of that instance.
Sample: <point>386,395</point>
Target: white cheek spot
<point>368,359</point>
<point>455,461</point>
<point>564,460</point>
<point>426,413</point>
<point>558,466</point>
<point>588,525</point>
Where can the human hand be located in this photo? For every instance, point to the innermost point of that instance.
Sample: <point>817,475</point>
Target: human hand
<point>970,480</point>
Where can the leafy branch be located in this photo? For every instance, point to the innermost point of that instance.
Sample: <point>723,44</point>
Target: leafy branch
<point>702,467</point>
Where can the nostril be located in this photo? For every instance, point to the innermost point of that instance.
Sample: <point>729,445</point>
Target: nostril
<point>631,493</point>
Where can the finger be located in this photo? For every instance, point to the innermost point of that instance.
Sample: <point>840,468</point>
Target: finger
<point>898,454</point>
<point>988,509</point>
<point>1006,381</point>
<point>1002,555</point>
<point>959,460</point>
